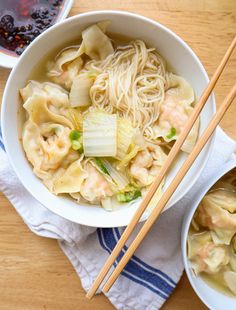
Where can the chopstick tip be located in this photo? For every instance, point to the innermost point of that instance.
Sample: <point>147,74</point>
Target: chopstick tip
<point>105,288</point>
<point>89,295</point>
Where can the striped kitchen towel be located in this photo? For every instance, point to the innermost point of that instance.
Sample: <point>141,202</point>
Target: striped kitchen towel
<point>153,272</point>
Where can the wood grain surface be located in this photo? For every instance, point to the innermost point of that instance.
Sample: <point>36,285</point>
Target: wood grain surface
<point>34,273</point>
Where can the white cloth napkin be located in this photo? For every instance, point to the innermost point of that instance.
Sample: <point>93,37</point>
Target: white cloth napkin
<point>152,274</point>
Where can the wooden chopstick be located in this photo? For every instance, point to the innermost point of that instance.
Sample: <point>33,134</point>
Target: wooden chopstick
<point>171,156</point>
<point>172,187</point>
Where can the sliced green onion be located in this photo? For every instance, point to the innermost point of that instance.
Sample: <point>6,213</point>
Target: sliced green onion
<point>75,135</point>
<point>101,165</point>
<point>76,145</point>
<point>172,133</point>
<point>128,196</point>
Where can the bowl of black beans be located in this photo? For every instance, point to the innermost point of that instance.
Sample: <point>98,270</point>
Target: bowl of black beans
<point>21,21</point>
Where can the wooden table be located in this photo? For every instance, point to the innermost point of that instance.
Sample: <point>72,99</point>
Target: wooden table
<point>34,273</point>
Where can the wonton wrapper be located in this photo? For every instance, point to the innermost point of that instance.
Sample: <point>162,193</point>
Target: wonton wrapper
<point>68,64</point>
<point>72,179</point>
<point>39,113</point>
<point>97,45</point>
<point>212,213</point>
<point>175,112</point>
<point>96,186</point>
<point>205,255</point>
<point>45,151</point>
<point>54,94</point>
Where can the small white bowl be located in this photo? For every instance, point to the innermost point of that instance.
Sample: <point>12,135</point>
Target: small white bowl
<point>179,56</point>
<point>9,60</point>
<point>213,299</point>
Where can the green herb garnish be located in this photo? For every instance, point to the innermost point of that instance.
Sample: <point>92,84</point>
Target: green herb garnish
<point>128,196</point>
<point>172,133</point>
<point>75,135</point>
<point>76,145</point>
<point>76,140</point>
<point>101,165</point>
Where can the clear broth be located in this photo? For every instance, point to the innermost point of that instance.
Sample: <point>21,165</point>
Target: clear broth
<point>216,281</point>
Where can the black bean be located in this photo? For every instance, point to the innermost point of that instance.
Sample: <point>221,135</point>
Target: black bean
<point>40,27</point>
<point>7,19</point>
<point>34,13</point>
<point>10,39</point>
<point>36,32</point>
<point>46,22</point>
<point>9,27</point>
<point>19,50</point>
<point>45,11</point>
<point>28,37</point>
<point>39,21</point>
<point>29,27</point>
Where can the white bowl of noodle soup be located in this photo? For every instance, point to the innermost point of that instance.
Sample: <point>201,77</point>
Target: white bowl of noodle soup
<point>213,296</point>
<point>180,58</point>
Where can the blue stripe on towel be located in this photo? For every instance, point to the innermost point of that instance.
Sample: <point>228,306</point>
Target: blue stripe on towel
<point>140,274</point>
<point>127,274</point>
<point>1,141</point>
<point>152,269</point>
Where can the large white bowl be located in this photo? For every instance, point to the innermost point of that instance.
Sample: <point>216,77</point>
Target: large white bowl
<point>212,298</point>
<point>177,53</point>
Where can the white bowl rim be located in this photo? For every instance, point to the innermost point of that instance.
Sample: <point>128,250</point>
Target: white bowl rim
<point>186,224</point>
<point>123,222</point>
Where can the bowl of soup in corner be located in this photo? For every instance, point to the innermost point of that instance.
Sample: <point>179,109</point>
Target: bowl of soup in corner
<point>92,110</point>
<point>209,240</point>
<point>21,22</point>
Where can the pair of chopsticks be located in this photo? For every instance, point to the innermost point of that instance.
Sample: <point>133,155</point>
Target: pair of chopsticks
<point>174,184</point>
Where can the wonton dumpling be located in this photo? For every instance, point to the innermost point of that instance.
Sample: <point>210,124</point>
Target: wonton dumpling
<point>211,214</point>
<point>205,255</point>
<point>66,77</point>
<point>31,88</point>
<point>146,164</point>
<point>222,236</point>
<point>175,112</point>
<point>68,64</point>
<point>32,143</point>
<point>66,57</point>
<point>53,92</point>
<point>39,113</point>
<point>97,45</point>
<point>224,199</point>
<point>179,88</point>
<point>71,157</point>
<point>56,95</point>
<point>76,196</point>
<point>191,139</point>
<point>95,187</point>
<point>56,144</point>
<point>45,146</point>
<point>196,240</point>
<point>72,179</point>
